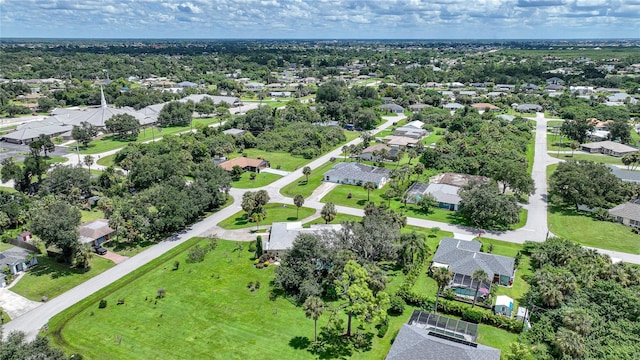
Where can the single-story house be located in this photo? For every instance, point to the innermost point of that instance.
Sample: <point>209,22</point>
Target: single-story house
<point>608,148</point>
<point>357,174</point>
<point>627,213</point>
<point>235,132</point>
<point>400,141</point>
<point>494,94</point>
<point>17,260</point>
<point>437,337</point>
<point>413,130</point>
<point>485,106</point>
<point>506,117</point>
<point>446,195</point>
<point>463,258</point>
<point>504,87</point>
<point>625,175</point>
<point>452,106</point>
<point>280,94</point>
<point>96,232</point>
<point>369,154</point>
<point>620,98</point>
<point>186,84</point>
<point>444,188</point>
<point>529,87</point>
<point>528,107</point>
<point>247,164</point>
<point>394,108</point>
<point>254,86</point>
<point>555,80</point>
<point>418,107</point>
<point>503,306</point>
<point>283,234</point>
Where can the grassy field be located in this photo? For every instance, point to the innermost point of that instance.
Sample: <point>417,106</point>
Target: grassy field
<point>106,160</point>
<point>207,306</point>
<point>91,215</point>
<point>553,143</point>
<point>586,230</point>
<point>109,142</point>
<point>553,123</point>
<point>304,188</point>
<point>581,156</point>
<point>531,152</point>
<point>339,196</point>
<point>275,212</point>
<point>262,179</point>
<point>51,279</point>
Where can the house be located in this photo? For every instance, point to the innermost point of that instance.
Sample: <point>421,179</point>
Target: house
<point>418,107</point>
<point>529,87</point>
<point>463,258</point>
<point>625,175</point>
<point>254,86</point>
<point>400,141</point>
<point>485,107</point>
<point>283,234</point>
<point>413,130</point>
<point>369,154</point>
<point>357,174</point>
<point>186,84</point>
<point>235,132</point>
<point>444,188</point>
<point>527,107</point>
<point>280,94</point>
<point>394,108</point>
<point>620,98</point>
<point>16,260</point>
<point>452,106</point>
<point>608,148</point>
<point>436,337</point>
<point>506,117</point>
<point>505,87</point>
<point>555,81</point>
<point>503,306</point>
<point>628,213</point>
<point>96,232</point>
<point>247,164</point>
<point>24,236</point>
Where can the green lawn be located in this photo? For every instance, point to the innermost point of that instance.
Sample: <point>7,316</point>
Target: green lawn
<point>304,188</point>
<point>276,212</point>
<point>262,179</point>
<point>207,312</point>
<point>4,316</point>
<point>553,143</point>
<point>340,218</point>
<point>551,169</point>
<point>339,196</point>
<point>106,160</point>
<point>586,230</point>
<point>581,156</point>
<point>4,246</point>
<point>51,279</point>
<point>433,137</point>
<point>531,151</point>
<point>109,142</point>
<point>88,216</point>
<point>552,123</point>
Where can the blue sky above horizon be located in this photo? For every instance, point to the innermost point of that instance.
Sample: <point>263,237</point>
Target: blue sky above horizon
<point>321,19</point>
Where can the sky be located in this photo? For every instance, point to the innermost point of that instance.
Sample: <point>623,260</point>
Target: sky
<point>321,19</point>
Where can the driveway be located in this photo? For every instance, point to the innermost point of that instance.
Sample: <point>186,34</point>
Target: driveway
<point>116,258</point>
<point>14,304</point>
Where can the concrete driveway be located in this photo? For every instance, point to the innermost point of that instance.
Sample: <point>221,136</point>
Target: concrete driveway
<point>14,304</point>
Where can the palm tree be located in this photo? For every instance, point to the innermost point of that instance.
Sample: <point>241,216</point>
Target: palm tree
<point>328,212</point>
<point>313,309</point>
<point>258,216</point>
<point>479,276</point>
<point>413,248</point>
<point>442,276</point>
<point>369,186</point>
<point>574,145</point>
<point>345,150</point>
<point>577,320</point>
<point>88,160</point>
<point>306,171</point>
<point>298,200</point>
<point>569,343</point>
<point>551,295</point>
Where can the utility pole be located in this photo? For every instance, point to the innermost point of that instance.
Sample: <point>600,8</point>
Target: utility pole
<point>78,152</point>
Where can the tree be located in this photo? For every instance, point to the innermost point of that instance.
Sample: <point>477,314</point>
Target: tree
<point>426,202</point>
<point>15,346</point>
<point>577,130</point>
<point>257,217</point>
<point>574,145</point>
<point>298,200</point>
<point>175,113</point>
<point>84,133</point>
<point>619,130</point>
<point>205,106</point>
<point>357,298</point>
<point>123,126</point>
<point>56,222</point>
<point>43,143</point>
<point>413,249</point>
<point>306,171</point>
<point>236,172</point>
<point>88,160</point>
<point>568,343</point>
<point>313,309</point>
<point>369,186</point>
<point>442,276</point>
<point>479,276</point>
<point>485,207</point>
<point>259,248</point>
<point>328,212</point>
<point>45,104</point>
<point>345,151</point>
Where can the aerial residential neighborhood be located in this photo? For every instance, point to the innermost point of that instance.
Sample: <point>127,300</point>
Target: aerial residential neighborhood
<point>209,194</point>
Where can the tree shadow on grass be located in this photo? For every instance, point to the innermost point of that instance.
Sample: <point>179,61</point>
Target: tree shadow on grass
<point>48,266</point>
<point>299,342</point>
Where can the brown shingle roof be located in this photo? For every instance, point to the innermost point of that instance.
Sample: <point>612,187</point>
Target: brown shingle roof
<point>243,162</point>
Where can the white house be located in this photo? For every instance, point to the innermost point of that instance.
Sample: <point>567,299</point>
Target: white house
<point>357,174</point>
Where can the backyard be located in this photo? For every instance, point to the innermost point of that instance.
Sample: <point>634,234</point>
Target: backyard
<point>206,306</point>
<point>581,156</point>
<point>261,179</point>
<point>305,188</point>
<point>276,212</point>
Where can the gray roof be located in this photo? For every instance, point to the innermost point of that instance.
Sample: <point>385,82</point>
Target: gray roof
<point>625,175</point>
<point>283,234</point>
<point>464,257</point>
<point>391,107</point>
<point>529,107</point>
<point>413,343</point>
<point>234,131</point>
<point>630,210</point>
<point>361,172</point>
<point>453,106</point>
<point>196,98</point>
<point>444,193</point>
<point>12,256</point>
<point>506,117</point>
<point>610,145</point>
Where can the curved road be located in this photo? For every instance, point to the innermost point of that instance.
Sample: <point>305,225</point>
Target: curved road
<point>535,229</point>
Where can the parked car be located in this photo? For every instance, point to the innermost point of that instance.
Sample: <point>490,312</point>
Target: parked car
<point>100,250</point>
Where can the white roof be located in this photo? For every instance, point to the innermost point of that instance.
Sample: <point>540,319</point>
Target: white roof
<point>504,300</point>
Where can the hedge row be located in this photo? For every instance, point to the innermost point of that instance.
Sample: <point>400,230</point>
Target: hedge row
<point>452,307</point>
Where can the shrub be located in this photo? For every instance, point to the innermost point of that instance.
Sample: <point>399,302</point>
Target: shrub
<point>472,315</point>
<point>449,294</point>
<point>121,301</point>
<point>396,305</point>
<point>176,265</point>
<point>102,304</point>
<point>161,293</point>
<point>196,254</point>
<point>383,327</point>
<point>252,247</point>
